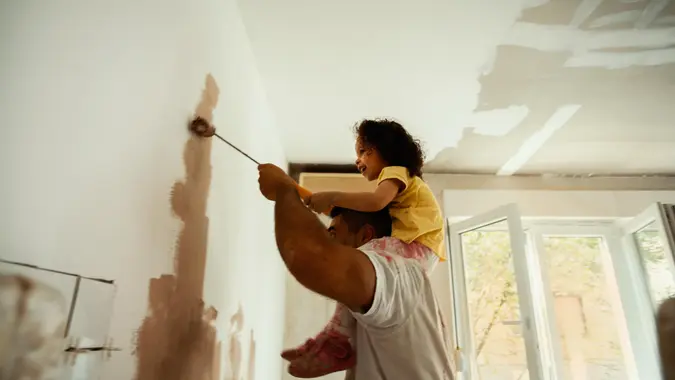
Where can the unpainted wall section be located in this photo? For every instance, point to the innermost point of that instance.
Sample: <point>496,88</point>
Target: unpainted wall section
<point>94,150</point>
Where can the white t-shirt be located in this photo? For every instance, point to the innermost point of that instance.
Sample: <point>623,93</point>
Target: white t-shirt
<point>402,336</point>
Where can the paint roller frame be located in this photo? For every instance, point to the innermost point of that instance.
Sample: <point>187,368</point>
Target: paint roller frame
<point>201,127</point>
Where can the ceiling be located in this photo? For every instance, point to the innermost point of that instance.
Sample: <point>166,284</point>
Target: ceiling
<point>506,87</point>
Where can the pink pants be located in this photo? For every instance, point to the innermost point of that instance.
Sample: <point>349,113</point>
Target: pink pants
<point>342,321</point>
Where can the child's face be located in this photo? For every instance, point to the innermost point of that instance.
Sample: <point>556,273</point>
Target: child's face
<point>368,161</point>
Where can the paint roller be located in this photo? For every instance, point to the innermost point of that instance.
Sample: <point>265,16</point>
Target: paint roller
<point>202,128</point>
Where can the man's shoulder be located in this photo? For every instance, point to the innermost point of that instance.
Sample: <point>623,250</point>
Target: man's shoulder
<point>384,245</point>
<point>390,253</point>
<point>399,283</point>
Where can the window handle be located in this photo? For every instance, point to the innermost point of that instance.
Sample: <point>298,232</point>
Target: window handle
<point>525,322</point>
<point>458,359</point>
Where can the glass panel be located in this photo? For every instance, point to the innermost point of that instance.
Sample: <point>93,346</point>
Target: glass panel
<point>585,308</point>
<point>657,266</point>
<point>494,312</point>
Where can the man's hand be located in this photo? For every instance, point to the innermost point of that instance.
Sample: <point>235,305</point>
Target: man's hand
<point>271,179</point>
<point>321,202</point>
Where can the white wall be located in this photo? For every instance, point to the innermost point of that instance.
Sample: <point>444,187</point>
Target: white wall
<point>94,101</point>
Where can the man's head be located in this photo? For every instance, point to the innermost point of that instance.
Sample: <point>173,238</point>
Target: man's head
<point>355,228</point>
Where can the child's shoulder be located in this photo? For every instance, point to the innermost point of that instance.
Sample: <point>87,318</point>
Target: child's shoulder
<point>419,182</point>
<point>395,169</point>
<point>394,172</point>
<point>402,174</point>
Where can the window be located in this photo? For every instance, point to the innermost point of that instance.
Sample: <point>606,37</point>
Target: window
<point>586,321</point>
<point>495,333</point>
<point>649,234</point>
<point>558,299</point>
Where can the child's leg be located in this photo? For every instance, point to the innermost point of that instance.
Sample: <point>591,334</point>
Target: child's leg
<point>333,354</point>
<point>341,325</point>
<point>331,350</point>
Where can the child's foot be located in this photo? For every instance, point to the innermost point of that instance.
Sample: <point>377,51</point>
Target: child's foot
<point>294,353</point>
<point>330,353</point>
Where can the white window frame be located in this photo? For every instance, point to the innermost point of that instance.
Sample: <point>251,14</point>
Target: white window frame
<point>652,214</point>
<point>467,365</point>
<point>638,345</point>
<point>615,265</point>
<point>595,206</point>
<point>643,306</point>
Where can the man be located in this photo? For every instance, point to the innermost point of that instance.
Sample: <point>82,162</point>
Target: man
<point>399,333</point>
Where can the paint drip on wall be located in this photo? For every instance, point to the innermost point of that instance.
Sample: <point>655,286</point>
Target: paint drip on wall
<point>177,339</point>
<point>235,353</point>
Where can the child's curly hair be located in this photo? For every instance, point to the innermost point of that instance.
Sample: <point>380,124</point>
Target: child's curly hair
<point>396,146</point>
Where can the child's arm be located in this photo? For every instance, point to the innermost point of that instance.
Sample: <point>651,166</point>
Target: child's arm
<point>365,202</point>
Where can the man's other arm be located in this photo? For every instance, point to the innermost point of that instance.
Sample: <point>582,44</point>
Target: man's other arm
<point>320,264</point>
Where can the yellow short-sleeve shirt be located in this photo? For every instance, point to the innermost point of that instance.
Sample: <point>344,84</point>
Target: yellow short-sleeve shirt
<point>415,212</point>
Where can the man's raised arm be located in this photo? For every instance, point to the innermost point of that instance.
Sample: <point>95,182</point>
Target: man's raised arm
<point>313,258</point>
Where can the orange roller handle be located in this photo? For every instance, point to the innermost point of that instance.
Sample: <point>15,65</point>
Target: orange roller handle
<point>304,194</point>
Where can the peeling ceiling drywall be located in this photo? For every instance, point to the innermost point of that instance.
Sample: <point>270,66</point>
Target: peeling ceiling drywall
<point>515,86</point>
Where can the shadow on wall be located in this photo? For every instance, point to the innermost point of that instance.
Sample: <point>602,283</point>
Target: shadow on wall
<point>177,339</point>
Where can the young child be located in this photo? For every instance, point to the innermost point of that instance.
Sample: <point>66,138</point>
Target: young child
<point>385,152</point>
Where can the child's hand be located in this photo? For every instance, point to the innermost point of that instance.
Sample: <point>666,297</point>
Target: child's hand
<point>321,202</point>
